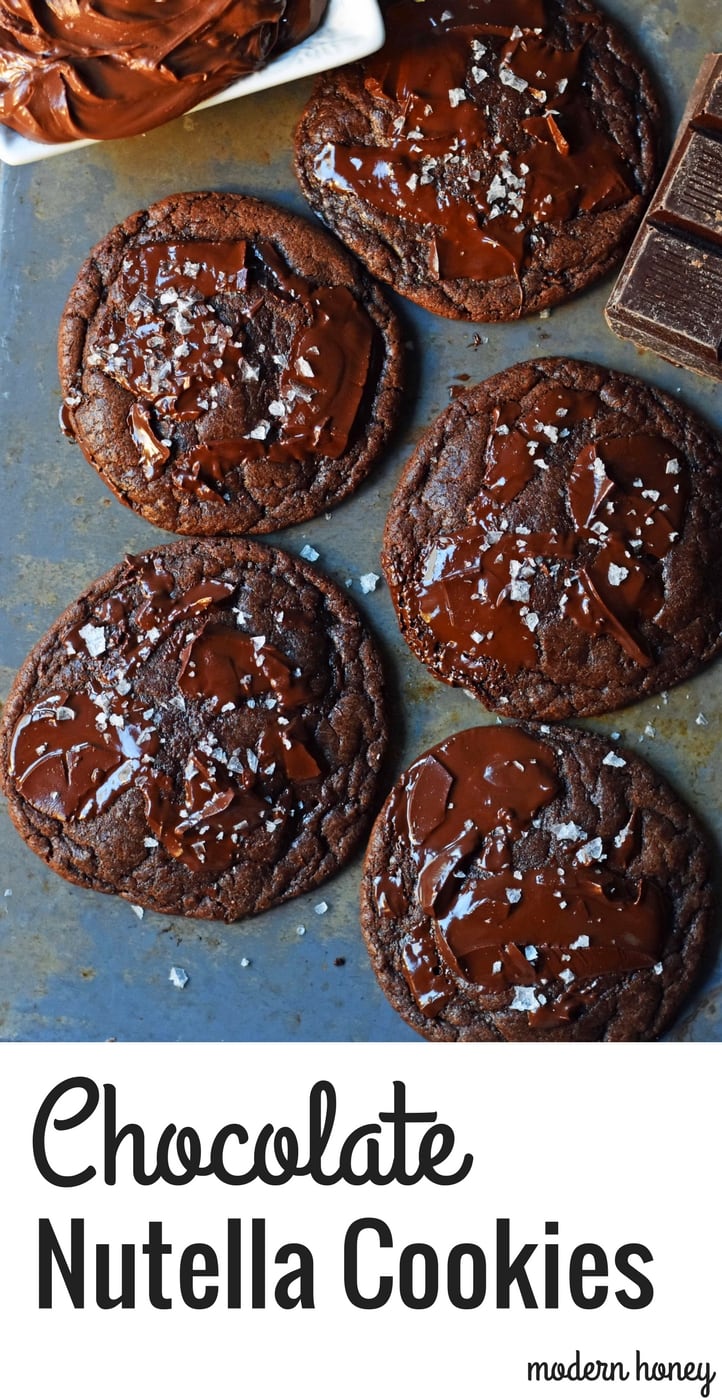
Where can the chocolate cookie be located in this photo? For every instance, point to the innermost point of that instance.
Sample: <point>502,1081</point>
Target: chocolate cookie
<point>492,159</point>
<point>535,884</point>
<point>227,367</point>
<point>87,68</point>
<point>200,733</point>
<point>554,544</point>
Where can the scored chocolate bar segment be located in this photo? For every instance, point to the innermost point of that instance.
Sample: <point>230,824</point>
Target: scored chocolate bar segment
<point>668,297</point>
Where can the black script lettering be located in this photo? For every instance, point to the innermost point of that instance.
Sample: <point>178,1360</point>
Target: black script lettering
<point>700,1371</point>
<point>577,1370</point>
<point>92,1099</point>
<point>428,1157</point>
<point>356,1160</point>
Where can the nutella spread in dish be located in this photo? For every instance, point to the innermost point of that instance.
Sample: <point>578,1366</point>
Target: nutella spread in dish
<point>512,884</point>
<point>71,69</point>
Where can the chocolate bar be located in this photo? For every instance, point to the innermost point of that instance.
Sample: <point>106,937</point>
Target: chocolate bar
<point>668,296</point>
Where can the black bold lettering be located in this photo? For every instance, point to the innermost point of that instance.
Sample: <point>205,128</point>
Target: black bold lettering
<point>578,1272</point>
<point>351,1262</point>
<point>409,1255</point>
<point>477,1294</point>
<point>303,1276</point>
<point>509,1271</point>
<point>72,1274</point>
<point>189,1271</point>
<point>645,1292</point>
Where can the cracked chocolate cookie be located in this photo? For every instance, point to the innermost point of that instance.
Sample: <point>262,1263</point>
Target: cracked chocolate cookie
<point>535,884</point>
<point>492,159</point>
<point>227,367</point>
<point>200,733</point>
<point>553,545</point>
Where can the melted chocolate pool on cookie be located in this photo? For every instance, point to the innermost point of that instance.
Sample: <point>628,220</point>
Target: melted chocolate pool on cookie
<point>439,164</point>
<point>74,753</point>
<point>201,732</point>
<point>627,498</point>
<point>533,883</point>
<point>551,546</point>
<point>480,134</point>
<point>167,343</point>
<point>541,932</point>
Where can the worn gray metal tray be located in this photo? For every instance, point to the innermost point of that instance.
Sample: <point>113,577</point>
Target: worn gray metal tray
<point>75,965</point>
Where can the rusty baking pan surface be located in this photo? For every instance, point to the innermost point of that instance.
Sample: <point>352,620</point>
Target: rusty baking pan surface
<point>75,965</point>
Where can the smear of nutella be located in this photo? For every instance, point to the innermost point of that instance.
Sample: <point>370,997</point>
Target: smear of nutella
<point>538,916</point>
<point>111,68</point>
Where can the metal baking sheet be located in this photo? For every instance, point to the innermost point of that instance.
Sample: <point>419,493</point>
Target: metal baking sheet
<point>80,966</point>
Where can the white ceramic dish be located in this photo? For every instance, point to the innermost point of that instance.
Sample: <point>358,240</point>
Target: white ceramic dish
<point>351,29</point>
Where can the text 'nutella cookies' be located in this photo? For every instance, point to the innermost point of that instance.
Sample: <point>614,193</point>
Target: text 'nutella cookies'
<point>553,546</point>
<point>201,733</point>
<point>533,883</point>
<point>227,367</point>
<point>92,68</point>
<point>492,159</point>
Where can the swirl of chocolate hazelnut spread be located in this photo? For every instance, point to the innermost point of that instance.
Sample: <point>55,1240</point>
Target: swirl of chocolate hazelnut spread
<point>626,502</point>
<point>179,332</point>
<point>435,159</point>
<point>73,753</point>
<point>522,906</point>
<point>112,68</point>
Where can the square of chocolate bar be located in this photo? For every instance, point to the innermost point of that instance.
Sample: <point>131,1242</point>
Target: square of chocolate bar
<point>668,297</point>
<point>672,301</point>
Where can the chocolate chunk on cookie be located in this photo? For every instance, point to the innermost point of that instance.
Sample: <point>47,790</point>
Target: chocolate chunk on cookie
<point>200,733</point>
<point>535,884</point>
<point>553,545</point>
<point>492,159</point>
<point>227,367</point>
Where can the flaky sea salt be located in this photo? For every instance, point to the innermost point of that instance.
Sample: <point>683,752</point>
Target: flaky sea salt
<point>524,999</point>
<point>94,638</point>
